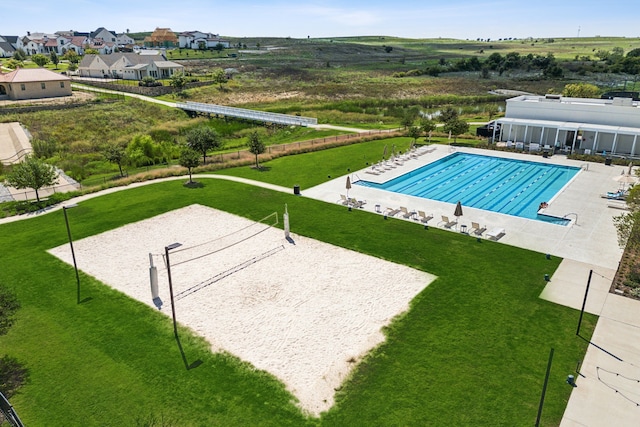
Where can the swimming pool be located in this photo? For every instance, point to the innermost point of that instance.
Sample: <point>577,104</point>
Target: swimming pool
<point>508,186</point>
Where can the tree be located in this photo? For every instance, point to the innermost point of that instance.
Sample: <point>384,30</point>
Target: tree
<point>628,224</point>
<point>413,132</point>
<point>220,77</point>
<point>142,150</point>
<point>202,45</point>
<point>427,126</point>
<point>203,139</point>
<point>91,51</point>
<point>116,154</point>
<point>407,120</point>
<point>178,80</point>
<point>457,127</point>
<point>256,146</point>
<point>53,57</point>
<point>448,114</point>
<point>491,110</point>
<point>71,56</point>
<point>218,47</point>
<point>388,49</point>
<point>189,158</point>
<point>20,54</point>
<point>581,90</point>
<point>39,59</point>
<point>32,173</point>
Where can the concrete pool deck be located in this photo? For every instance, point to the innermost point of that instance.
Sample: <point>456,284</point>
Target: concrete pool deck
<point>589,242</point>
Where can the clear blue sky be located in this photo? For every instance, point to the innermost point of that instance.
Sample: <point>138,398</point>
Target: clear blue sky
<point>461,19</point>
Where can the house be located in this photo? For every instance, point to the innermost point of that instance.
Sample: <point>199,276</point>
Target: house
<point>124,40</point>
<point>7,49</point>
<point>76,43</point>
<point>104,35</point>
<point>161,37</point>
<point>33,83</point>
<point>103,48</point>
<point>200,40</point>
<point>584,125</point>
<point>128,66</point>
<point>34,43</point>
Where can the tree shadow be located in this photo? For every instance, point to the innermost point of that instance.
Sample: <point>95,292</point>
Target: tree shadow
<point>193,184</point>
<point>261,168</point>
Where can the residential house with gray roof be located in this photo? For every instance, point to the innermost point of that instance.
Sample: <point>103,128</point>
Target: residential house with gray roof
<point>128,66</point>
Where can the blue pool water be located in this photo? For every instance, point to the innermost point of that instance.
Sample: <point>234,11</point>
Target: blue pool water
<point>513,187</point>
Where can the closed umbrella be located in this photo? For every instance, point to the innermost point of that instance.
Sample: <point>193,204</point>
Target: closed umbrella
<point>348,186</point>
<point>384,153</point>
<point>458,212</point>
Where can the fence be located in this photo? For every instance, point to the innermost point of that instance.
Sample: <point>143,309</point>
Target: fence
<point>243,113</point>
<point>309,145</point>
<point>43,193</point>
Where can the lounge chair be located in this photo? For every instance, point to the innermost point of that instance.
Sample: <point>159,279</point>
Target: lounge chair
<point>356,203</point>
<point>406,213</point>
<point>476,229</point>
<point>424,218</point>
<point>496,233</point>
<point>343,200</point>
<point>618,195</point>
<point>391,212</point>
<point>446,223</point>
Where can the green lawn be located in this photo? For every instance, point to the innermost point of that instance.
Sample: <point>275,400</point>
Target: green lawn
<point>472,350</point>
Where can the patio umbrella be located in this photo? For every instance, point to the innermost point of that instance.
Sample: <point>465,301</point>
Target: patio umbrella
<point>630,167</point>
<point>384,153</point>
<point>625,178</point>
<point>458,212</point>
<point>348,186</point>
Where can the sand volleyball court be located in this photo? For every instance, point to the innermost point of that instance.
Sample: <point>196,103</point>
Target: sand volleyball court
<point>302,310</point>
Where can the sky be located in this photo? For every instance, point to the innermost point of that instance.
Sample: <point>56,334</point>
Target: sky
<point>460,19</point>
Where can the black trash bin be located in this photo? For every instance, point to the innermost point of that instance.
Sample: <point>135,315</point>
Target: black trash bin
<point>607,161</point>
<point>296,190</point>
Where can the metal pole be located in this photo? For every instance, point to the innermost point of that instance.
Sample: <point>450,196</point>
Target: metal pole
<point>73,254</point>
<point>173,306</point>
<point>584,302</point>
<point>544,387</point>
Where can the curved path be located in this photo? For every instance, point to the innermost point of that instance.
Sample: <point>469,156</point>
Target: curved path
<point>140,184</point>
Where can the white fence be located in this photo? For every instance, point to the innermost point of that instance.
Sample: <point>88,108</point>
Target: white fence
<point>244,113</point>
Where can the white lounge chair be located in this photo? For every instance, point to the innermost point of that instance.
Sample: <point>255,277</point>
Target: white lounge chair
<point>356,203</point>
<point>391,212</point>
<point>343,200</point>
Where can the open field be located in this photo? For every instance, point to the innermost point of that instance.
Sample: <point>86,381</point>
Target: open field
<point>473,339</point>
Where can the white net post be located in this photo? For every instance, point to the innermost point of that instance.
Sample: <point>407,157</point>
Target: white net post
<point>153,277</point>
<point>285,218</point>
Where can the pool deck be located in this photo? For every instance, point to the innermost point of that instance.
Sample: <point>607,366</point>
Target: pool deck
<point>589,242</point>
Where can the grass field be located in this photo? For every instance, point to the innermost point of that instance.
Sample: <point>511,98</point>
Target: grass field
<point>472,350</point>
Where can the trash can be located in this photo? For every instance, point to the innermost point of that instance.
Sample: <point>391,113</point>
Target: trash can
<point>607,161</point>
<point>296,190</point>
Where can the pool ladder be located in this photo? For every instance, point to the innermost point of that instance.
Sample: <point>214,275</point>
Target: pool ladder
<point>572,213</point>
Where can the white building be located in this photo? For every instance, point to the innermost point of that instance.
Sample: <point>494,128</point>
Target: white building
<point>200,40</point>
<point>584,125</point>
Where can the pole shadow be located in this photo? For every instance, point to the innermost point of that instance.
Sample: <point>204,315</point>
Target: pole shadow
<point>187,366</point>
<point>600,348</point>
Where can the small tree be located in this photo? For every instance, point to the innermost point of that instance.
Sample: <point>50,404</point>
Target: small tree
<point>178,80</point>
<point>457,127</point>
<point>203,139</point>
<point>32,173</point>
<point>20,55</point>
<point>491,110</point>
<point>427,126</point>
<point>39,59</point>
<point>413,132</point>
<point>53,57</point>
<point>218,47</point>
<point>256,146</point>
<point>71,56</point>
<point>448,114</point>
<point>220,77</point>
<point>407,120</point>
<point>189,158</point>
<point>116,154</point>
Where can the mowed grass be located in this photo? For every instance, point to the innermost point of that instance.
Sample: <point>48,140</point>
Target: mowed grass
<point>472,350</point>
